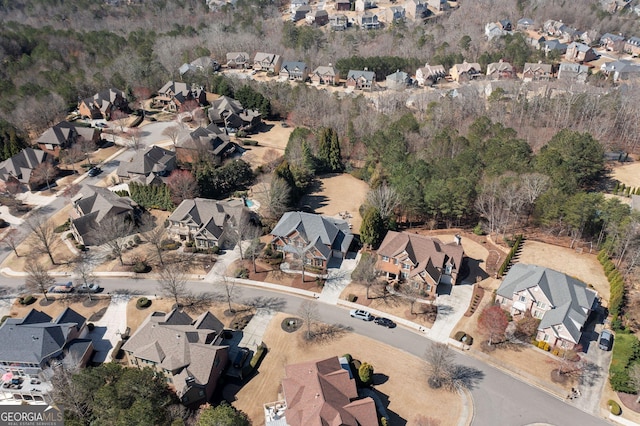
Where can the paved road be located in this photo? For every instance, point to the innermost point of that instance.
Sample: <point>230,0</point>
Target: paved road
<point>499,399</point>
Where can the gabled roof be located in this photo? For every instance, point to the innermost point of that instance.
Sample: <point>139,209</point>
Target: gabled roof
<point>177,343</point>
<point>215,141</point>
<point>173,87</point>
<point>331,232</point>
<point>525,21</point>
<point>426,254</point>
<point>35,337</point>
<point>537,67</point>
<point>266,58</point>
<point>321,393</point>
<point>22,164</point>
<point>398,77</point>
<point>500,66</point>
<point>60,134</point>
<point>570,298</point>
<point>358,74</point>
<point>293,66</point>
<point>102,201</point>
<point>467,67</point>
<point>554,44</point>
<point>611,37</point>
<point>323,70</point>
<point>433,71</point>
<point>153,160</point>
<point>580,47</point>
<point>240,57</point>
<point>209,216</point>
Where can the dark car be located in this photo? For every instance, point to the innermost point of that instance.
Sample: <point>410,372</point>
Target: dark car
<point>385,322</point>
<point>94,171</point>
<point>241,357</point>
<point>606,339</point>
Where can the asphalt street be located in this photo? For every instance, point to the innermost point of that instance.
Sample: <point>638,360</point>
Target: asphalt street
<point>499,399</point>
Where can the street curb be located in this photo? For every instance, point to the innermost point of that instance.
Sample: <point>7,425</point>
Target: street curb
<point>468,408</point>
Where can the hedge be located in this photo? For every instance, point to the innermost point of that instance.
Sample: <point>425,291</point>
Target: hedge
<point>257,357</point>
<point>27,300</point>
<point>626,349</point>
<point>616,283</point>
<point>507,261</point>
<point>614,407</point>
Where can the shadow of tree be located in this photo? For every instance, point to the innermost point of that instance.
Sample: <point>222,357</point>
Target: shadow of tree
<point>324,333</point>
<point>270,303</point>
<point>591,373</point>
<point>464,377</point>
<point>379,378</point>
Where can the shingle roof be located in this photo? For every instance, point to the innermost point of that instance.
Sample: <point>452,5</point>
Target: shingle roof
<point>321,393</point>
<point>153,160</point>
<point>96,199</point>
<point>329,231</point>
<point>60,134</point>
<point>22,164</point>
<point>358,74</point>
<point>570,298</point>
<point>209,216</point>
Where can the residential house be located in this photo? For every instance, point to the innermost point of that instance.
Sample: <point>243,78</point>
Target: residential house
<point>145,166</point>
<point>500,70</point>
<point>313,237</point>
<point>561,302</point>
<point>175,96</point>
<point>430,74</point>
<point>203,64</point>
<point>579,52</point>
<point>268,62</point>
<point>295,4</point>
<point>325,75</point>
<point>369,21</point>
<point>419,261</point>
<point>465,71</point>
<point>20,167</point>
<point>573,72</point>
<point>438,5</point>
<point>226,112</point>
<point>362,5</point>
<point>493,31</point>
<point>505,25</point>
<point>208,223</point>
<point>34,344</point>
<point>555,46</point>
<point>632,46</point>
<point>318,18</point>
<point>323,393</point>
<point>95,208</point>
<point>560,30</point>
<point>416,9</point>
<point>301,13</point>
<point>238,60</point>
<point>613,6</point>
<point>589,37</point>
<point>63,135</point>
<point>621,70</point>
<point>524,24</point>
<point>210,141</point>
<point>296,71</point>
<point>399,80</point>
<point>536,41</point>
<point>343,5</point>
<point>394,14</point>
<point>362,80</point>
<point>187,351</point>
<point>103,104</point>
<point>338,22</point>
<point>536,72</point>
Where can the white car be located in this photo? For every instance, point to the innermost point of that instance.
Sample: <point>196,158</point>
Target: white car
<point>90,288</point>
<point>363,315</point>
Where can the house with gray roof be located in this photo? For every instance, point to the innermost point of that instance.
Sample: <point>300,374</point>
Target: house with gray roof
<point>153,161</point>
<point>562,303</point>
<point>187,351</point>
<point>621,69</point>
<point>580,52</point>
<point>632,46</point>
<point>269,62</point>
<point>316,238</point>
<point>318,18</point>
<point>325,75</point>
<point>338,22</point>
<point>175,94</point>
<point>20,167</point>
<point>103,104</point>
<point>369,21</point>
<point>554,45</point>
<point>569,71</point>
<point>208,223</point>
<point>295,71</point>
<point>362,80</point>
<point>63,135</point>
<point>33,344</point>
<point>399,80</point>
<point>524,24</point>
<point>95,206</point>
<point>238,60</point>
<point>204,64</point>
<point>228,112</point>
<point>612,42</point>
<point>209,141</point>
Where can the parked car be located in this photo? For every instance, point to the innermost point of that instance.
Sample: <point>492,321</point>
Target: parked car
<point>385,322</point>
<point>94,171</point>
<point>363,315</point>
<point>61,288</point>
<point>606,340</point>
<point>241,357</point>
<point>88,288</point>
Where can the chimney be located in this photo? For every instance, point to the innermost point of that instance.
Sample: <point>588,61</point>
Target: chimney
<point>457,239</point>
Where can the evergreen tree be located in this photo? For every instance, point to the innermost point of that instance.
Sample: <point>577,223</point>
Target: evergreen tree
<point>372,229</point>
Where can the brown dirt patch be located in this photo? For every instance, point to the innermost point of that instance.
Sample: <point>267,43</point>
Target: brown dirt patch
<point>584,267</point>
<point>60,303</point>
<point>273,274</point>
<point>406,401</point>
<point>630,401</point>
<point>338,193</point>
<point>629,174</point>
<point>272,140</point>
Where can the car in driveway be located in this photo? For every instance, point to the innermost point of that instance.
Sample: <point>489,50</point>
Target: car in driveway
<point>241,357</point>
<point>361,314</point>
<point>606,340</point>
<point>88,288</point>
<point>61,288</point>
<point>94,171</point>
<point>385,322</point>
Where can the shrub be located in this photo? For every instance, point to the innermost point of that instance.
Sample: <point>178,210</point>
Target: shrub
<point>27,300</point>
<point>81,247</point>
<point>141,268</point>
<point>242,273</point>
<point>625,351</point>
<point>64,227</point>
<point>478,229</point>
<point>459,335</point>
<point>70,236</point>
<point>257,357</point>
<point>4,318</point>
<point>556,352</point>
<point>348,357</point>
<point>137,239</point>
<point>91,326</point>
<point>366,373</point>
<point>614,407</point>
<point>188,244</point>
<point>143,302</point>
<point>352,297</point>
<point>469,340</point>
<point>546,347</point>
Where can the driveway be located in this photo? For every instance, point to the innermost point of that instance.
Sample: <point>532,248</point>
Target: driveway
<point>106,334</point>
<point>339,276</point>
<point>452,303</point>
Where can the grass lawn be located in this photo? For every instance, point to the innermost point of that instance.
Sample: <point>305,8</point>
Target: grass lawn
<point>625,348</point>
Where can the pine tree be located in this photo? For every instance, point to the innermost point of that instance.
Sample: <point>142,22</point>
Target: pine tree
<point>335,156</point>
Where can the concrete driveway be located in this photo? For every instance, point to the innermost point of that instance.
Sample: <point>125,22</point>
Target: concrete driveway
<point>452,303</point>
<point>339,276</point>
<point>106,334</point>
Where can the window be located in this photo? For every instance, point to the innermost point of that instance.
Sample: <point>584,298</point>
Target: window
<point>522,298</point>
<point>416,285</point>
<point>541,305</point>
<point>546,337</point>
<point>406,266</point>
<point>395,261</point>
<point>404,275</point>
<point>385,258</point>
<point>538,314</point>
<point>428,287</point>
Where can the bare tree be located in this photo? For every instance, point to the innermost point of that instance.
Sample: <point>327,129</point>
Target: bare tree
<point>12,242</point>
<point>43,173</point>
<point>172,132</point>
<point>533,185</point>
<point>275,197</point>
<point>134,138</point>
<point>245,229</point>
<point>253,251</point>
<point>43,234</point>
<point>69,393</point>
<point>172,282</point>
<point>308,311</point>
<point>38,278</point>
<point>365,273</point>
<point>155,237</point>
<point>385,199</point>
<point>83,266</point>
<point>120,118</point>
<point>87,147</point>
<point>230,291</point>
<point>113,232</point>
<point>440,359</point>
<point>71,156</point>
<point>182,185</point>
